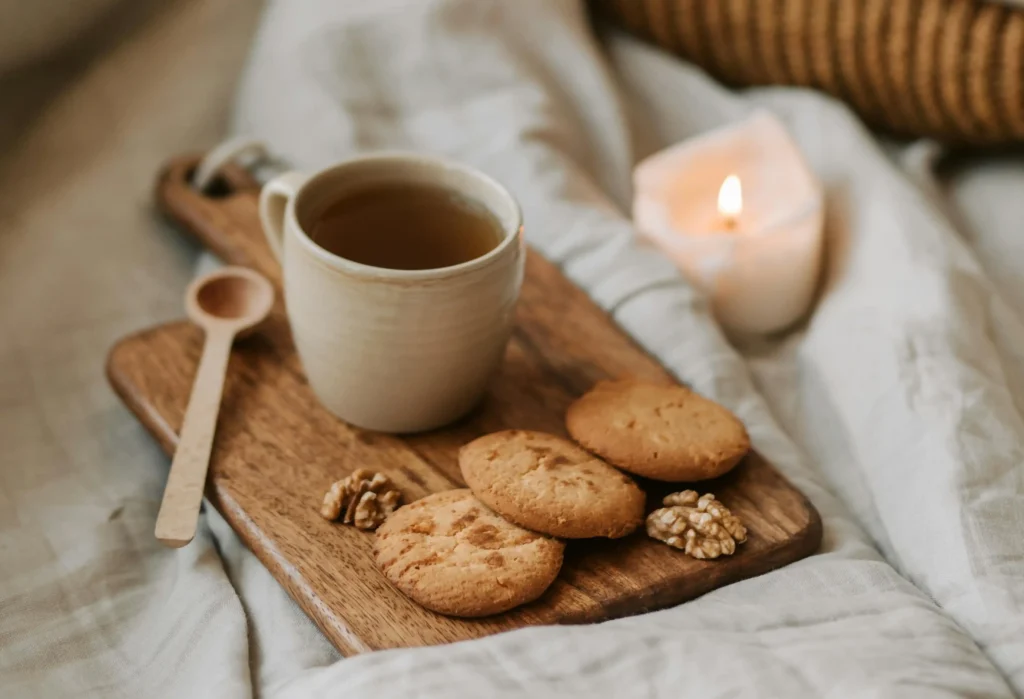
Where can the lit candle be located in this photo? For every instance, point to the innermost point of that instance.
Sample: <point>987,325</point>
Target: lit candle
<point>740,213</point>
<point>730,200</point>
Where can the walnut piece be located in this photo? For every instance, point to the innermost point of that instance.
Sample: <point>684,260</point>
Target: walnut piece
<point>364,499</point>
<point>700,525</point>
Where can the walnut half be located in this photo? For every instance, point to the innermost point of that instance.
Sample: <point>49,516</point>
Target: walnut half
<point>364,499</point>
<point>699,525</point>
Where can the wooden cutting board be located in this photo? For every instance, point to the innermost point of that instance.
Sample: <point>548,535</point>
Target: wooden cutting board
<point>277,451</point>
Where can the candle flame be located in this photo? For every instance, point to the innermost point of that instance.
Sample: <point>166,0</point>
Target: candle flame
<point>730,198</point>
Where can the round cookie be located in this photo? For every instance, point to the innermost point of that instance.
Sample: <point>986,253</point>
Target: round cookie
<point>550,485</point>
<point>668,433</point>
<point>451,554</point>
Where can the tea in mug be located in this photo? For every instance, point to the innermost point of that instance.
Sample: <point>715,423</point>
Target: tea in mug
<point>407,226</point>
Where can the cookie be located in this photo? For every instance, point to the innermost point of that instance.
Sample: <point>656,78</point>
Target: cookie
<point>550,485</point>
<point>668,433</point>
<point>451,554</point>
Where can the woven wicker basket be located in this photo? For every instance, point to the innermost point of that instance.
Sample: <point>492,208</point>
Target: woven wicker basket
<point>949,69</point>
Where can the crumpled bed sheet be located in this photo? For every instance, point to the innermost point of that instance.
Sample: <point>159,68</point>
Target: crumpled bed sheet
<point>896,407</point>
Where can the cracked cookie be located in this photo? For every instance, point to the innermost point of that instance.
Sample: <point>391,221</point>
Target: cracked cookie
<point>668,433</point>
<point>453,555</point>
<point>550,485</point>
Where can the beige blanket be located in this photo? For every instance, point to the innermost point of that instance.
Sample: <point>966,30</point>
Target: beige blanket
<point>896,408</point>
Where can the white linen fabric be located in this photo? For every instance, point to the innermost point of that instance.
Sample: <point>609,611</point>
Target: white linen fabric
<point>896,407</point>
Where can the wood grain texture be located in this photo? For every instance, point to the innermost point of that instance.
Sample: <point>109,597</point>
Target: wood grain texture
<point>277,451</point>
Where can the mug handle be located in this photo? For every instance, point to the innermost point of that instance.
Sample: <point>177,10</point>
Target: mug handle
<point>274,199</point>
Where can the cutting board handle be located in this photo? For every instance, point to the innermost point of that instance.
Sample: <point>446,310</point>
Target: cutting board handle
<point>223,218</point>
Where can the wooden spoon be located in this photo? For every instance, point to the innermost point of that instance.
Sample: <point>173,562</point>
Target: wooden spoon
<point>225,303</point>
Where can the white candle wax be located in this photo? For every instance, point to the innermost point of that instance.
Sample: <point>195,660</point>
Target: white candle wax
<point>759,266</point>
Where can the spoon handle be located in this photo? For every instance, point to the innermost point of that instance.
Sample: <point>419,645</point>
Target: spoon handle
<point>176,523</point>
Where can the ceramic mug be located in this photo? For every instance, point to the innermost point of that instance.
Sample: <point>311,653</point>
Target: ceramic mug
<point>388,349</point>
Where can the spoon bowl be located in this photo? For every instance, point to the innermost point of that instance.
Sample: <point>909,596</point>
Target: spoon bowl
<point>233,296</point>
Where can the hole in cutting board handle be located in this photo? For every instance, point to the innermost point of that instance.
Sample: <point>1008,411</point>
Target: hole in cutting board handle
<point>219,188</point>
